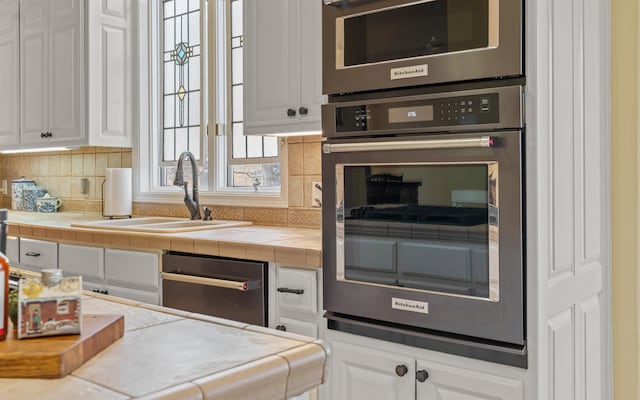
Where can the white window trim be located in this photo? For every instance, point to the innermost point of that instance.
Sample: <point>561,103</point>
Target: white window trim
<point>144,171</point>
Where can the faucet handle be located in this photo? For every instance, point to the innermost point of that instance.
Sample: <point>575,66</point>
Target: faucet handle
<point>207,214</point>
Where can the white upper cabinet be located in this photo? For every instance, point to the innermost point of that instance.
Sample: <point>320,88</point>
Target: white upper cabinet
<point>74,69</point>
<point>283,68</point>
<point>9,64</point>
<point>51,72</point>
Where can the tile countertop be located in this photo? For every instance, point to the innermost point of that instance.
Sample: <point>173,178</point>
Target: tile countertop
<point>170,354</point>
<point>292,246</point>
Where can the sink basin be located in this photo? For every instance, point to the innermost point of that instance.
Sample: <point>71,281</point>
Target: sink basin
<point>160,224</point>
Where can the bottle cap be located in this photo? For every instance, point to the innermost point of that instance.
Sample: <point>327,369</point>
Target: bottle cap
<point>51,277</point>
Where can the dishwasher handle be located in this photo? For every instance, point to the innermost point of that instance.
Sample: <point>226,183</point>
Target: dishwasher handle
<point>243,286</point>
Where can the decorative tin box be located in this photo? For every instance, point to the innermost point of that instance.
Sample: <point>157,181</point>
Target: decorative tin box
<point>49,309</point>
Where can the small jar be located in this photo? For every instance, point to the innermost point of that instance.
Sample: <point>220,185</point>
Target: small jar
<point>51,277</point>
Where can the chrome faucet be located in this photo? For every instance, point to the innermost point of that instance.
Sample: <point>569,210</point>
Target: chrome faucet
<point>192,205</point>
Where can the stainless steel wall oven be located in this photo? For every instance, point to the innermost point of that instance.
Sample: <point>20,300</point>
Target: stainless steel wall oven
<point>423,210</point>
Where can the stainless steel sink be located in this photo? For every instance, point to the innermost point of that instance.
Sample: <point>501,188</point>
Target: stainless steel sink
<point>159,224</point>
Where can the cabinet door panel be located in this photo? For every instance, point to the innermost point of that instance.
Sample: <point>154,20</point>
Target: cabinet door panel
<point>82,260</point>
<point>446,382</point>
<point>66,71</point>
<point>291,279</point>
<point>34,38</point>
<point>272,65</point>
<point>9,73</point>
<point>360,373</point>
<point>38,254</point>
<point>132,268</point>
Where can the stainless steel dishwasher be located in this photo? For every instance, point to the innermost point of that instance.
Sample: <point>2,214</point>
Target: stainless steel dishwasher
<point>221,287</point>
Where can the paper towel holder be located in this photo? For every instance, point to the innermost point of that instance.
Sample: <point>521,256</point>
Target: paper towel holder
<point>117,211</point>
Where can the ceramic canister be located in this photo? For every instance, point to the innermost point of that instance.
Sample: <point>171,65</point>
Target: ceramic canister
<point>17,187</point>
<point>30,195</point>
<point>48,203</point>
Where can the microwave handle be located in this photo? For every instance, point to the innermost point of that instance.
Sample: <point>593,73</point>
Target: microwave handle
<point>434,144</point>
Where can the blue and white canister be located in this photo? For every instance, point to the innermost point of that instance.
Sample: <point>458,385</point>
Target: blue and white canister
<point>17,188</point>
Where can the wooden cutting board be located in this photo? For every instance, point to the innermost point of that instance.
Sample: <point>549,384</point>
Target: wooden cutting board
<point>57,356</point>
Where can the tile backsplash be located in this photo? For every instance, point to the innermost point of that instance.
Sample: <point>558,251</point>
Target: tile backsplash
<point>62,173</point>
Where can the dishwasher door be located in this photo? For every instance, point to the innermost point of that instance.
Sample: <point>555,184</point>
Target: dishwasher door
<point>220,287</point>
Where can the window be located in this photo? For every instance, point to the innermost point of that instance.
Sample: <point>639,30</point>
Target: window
<point>196,63</point>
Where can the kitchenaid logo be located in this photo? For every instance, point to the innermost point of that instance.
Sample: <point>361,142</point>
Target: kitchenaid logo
<point>410,72</point>
<point>410,305</point>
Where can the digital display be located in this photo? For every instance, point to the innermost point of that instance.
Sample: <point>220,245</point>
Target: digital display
<point>411,114</point>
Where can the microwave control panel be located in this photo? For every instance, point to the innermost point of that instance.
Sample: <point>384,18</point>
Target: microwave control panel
<point>433,113</point>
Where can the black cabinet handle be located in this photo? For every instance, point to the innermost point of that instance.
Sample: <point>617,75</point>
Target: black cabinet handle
<point>46,135</point>
<point>401,370</point>
<point>291,112</point>
<point>43,135</point>
<point>281,328</point>
<point>422,375</point>
<point>32,254</point>
<point>303,110</point>
<point>287,290</point>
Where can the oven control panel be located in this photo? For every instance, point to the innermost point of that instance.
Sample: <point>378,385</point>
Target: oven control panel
<point>426,113</point>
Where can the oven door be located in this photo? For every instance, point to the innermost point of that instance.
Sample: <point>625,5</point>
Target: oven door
<point>427,233</point>
<point>369,45</point>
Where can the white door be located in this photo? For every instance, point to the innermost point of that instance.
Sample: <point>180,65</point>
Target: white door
<point>9,73</point>
<point>34,39</point>
<point>360,373</point>
<point>436,381</point>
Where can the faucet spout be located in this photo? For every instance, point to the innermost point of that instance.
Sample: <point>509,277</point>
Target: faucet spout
<point>193,205</point>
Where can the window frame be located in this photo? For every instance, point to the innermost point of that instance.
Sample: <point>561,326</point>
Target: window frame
<point>146,154</point>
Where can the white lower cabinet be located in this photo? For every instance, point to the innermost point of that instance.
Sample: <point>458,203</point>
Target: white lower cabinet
<point>365,373</point>
<point>128,274</point>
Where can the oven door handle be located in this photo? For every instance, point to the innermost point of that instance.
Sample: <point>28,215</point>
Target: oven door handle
<point>433,144</point>
<point>243,286</point>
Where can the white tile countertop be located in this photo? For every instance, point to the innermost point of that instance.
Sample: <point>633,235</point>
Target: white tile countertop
<point>170,354</point>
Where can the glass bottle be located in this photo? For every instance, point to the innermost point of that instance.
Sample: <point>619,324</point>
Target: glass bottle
<point>4,276</point>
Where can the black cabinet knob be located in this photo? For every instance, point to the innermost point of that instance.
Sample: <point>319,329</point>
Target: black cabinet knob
<point>281,328</point>
<point>303,110</point>
<point>291,112</point>
<point>46,135</point>
<point>43,135</point>
<point>401,370</point>
<point>422,375</point>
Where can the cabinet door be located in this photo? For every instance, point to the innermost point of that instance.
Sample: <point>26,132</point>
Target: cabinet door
<point>34,39</point>
<point>9,74</point>
<point>37,255</point>
<point>272,66</point>
<point>13,250</point>
<point>66,68</point>
<point>445,382</point>
<point>360,373</point>
<point>145,296</point>
<point>133,269</point>
<point>82,260</point>
<point>310,25</point>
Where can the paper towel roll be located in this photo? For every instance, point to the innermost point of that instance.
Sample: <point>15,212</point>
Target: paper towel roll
<point>117,192</point>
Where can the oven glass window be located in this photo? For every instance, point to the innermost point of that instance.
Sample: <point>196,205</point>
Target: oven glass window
<point>426,227</point>
<point>433,27</point>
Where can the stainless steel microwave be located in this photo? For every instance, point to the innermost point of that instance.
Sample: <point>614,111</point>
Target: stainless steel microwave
<point>371,45</point>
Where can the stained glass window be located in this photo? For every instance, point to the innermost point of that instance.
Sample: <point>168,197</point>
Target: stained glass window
<point>182,86</point>
<point>245,148</point>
